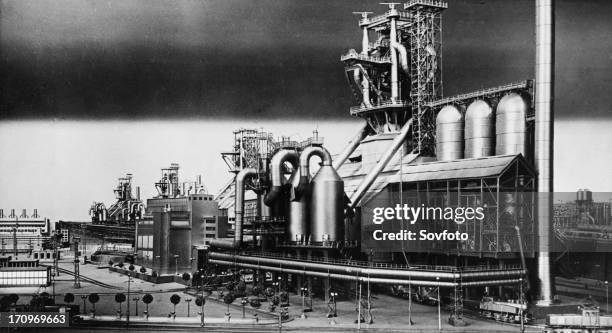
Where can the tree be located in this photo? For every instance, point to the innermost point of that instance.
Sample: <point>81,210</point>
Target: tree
<point>13,299</point>
<point>147,299</point>
<point>175,299</point>
<point>229,299</point>
<point>131,267</point>
<point>110,263</point>
<point>69,298</point>
<point>200,301</point>
<point>120,298</point>
<point>256,290</point>
<point>186,277</point>
<point>255,303</point>
<point>241,289</point>
<point>143,270</point>
<point>93,299</point>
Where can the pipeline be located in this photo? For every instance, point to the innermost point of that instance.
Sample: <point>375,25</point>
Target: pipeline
<point>352,145</point>
<point>375,272</point>
<point>384,160</point>
<point>401,49</point>
<point>276,173</point>
<point>241,177</point>
<point>304,167</point>
<point>356,276</point>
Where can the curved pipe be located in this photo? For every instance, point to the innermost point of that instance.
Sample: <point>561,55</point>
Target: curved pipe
<point>241,178</point>
<point>352,145</point>
<point>305,156</point>
<point>276,173</point>
<point>401,49</point>
<point>361,278</point>
<point>351,270</point>
<point>384,160</point>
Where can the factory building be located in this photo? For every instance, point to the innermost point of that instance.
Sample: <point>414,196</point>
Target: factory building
<point>416,147</point>
<point>23,234</point>
<point>177,220</point>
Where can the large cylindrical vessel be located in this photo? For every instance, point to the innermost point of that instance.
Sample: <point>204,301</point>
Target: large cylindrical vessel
<point>298,228</point>
<point>510,129</point>
<point>479,131</point>
<point>449,134</point>
<point>327,205</point>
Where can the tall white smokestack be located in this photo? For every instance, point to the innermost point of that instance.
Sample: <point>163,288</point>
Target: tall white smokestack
<point>544,141</point>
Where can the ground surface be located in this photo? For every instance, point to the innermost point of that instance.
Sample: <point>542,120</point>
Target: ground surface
<point>389,313</point>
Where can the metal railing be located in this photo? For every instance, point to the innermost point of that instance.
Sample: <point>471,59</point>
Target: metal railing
<point>480,93</point>
<point>383,17</point>
<point>430,3</point>
<point>352,54</point>
<point>397,104</point>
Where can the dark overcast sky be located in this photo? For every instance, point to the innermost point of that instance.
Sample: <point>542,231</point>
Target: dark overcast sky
<point>137,59</point>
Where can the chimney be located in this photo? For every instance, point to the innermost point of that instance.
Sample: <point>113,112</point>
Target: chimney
<point>544,90</point>
<point>138,193</point>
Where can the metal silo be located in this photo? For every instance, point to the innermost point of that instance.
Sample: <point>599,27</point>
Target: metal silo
<point>479,132</point>
<point>510,127</point>
<point>449,134</point>
<point>327,205</point>
<point>298,228</point>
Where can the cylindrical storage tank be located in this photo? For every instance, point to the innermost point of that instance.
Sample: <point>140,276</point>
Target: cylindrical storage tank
<point>297,228</point>
<point>327,222</point>
<point>479,132</point>
<point>449,134</point>
<point>510,127</point>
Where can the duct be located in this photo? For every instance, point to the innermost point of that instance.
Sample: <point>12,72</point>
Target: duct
<point>276,173</point>
<point>365,278</point>
<point>544,141</point>
<point>364,83</point>
<point>352,145</point>
<point>305,156</point>
<point>384,160</point>
<point>401,49</point>
<point>394,76</point>
<point>376,272</point>
<point>241,178</point>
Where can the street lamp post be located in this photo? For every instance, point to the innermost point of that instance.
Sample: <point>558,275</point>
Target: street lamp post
<point>129,282</point>
<point>439,309</point>
<point>607,302</point>
<point>333,298</point>
<point>176,258</point>
<point>521,300</point>
<point>53,285</point>
<point>303,290</point>
<point>243,302</point>
<point>275,284</point>
<point>136,299</point>
<point>188,300</point>
<point>202,297</point>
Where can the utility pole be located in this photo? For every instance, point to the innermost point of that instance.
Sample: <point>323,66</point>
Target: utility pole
<point>77,282</point>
